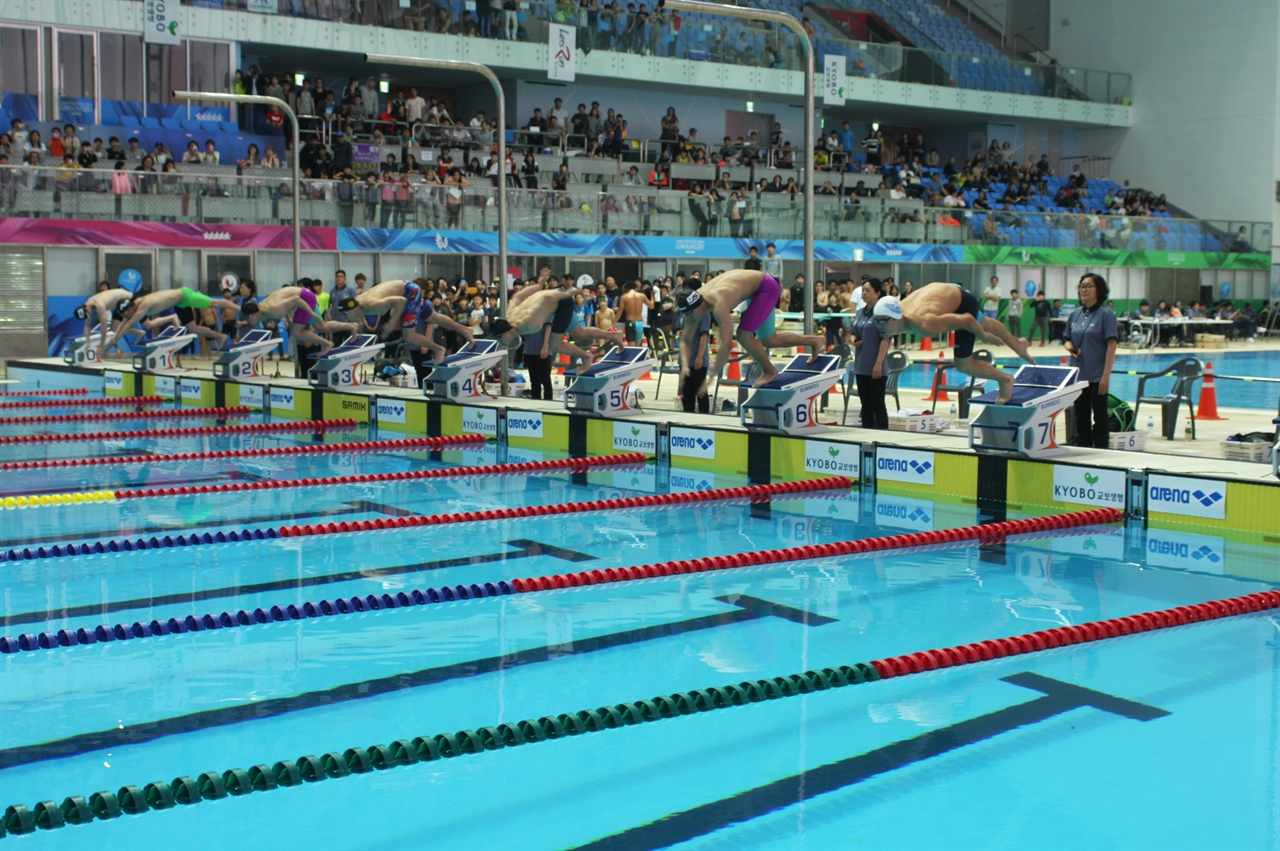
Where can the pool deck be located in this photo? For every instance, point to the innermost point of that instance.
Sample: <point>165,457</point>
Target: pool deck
<point>1200,457</point>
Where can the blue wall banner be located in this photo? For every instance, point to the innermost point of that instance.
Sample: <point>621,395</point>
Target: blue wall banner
<point>594,245</point>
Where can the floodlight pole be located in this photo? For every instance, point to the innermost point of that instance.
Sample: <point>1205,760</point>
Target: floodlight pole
<point>265,100</point>
<point>796,27</point>
<point>486,72</point>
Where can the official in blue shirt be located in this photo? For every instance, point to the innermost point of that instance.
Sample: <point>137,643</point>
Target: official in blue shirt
<point>870,348</point>
<point>1091,335</point>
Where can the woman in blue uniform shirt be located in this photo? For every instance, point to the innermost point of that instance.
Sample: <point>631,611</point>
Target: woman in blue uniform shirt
<point>1091,334</point>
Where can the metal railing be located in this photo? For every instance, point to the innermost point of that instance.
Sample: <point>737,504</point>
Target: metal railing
<point>1093,168</point>
<point>712,38</point>
<point>595,208</point>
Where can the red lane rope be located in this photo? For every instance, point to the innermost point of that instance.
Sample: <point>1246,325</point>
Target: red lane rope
<point>832,483</point>
<point>124,401</point>
<point>991,531</point>
<point>309,425</point>
<point>576,465</point>
<point>430,443</point>
<point>167,413</point>
<point>78,391</point>
<point>1046,639</point>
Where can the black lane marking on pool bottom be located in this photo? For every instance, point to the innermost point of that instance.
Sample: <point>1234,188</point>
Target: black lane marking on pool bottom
<point>1059,697</point>
<point>353,507</point>
<point>230,475</point>
<point>525,548</point>
<point>747,609</point>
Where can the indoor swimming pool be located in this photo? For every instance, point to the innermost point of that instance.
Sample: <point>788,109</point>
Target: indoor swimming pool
<point>301,644</point>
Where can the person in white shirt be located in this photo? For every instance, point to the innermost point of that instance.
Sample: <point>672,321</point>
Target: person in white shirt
<point>559,114</point>
<point>415,107</point>
<point>478,121</point>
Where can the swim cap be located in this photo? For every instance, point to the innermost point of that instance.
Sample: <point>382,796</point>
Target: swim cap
<point>887,306</point>
<point>348,304</point>
<point>82,312</point>
<point>249,309</point>
<point>687,302</point>
<point>498,327</point>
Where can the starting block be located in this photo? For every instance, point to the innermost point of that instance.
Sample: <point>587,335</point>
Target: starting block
<point>157,356</point>
<point>82,351</point>
<point>789,403</point>
<point>240,362</point>
<point>1025,424</point>
<point>459,377</point>
<point>340,369</point>
<point>604,387</point>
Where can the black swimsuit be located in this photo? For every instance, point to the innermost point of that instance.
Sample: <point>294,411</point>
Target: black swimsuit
<point>966,339</point>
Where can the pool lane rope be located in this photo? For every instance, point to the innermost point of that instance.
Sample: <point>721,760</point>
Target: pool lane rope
<point>571,465</point>
<point>426,596</point>
<point>196,539</point>
<point>315,426</point>
<point>166,413</point>
<point>104,401</point>
<point>212,785</point>
<point>427,443</point>
<point>77,391</point>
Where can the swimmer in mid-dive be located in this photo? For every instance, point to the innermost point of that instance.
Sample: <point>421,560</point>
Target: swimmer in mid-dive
<point>298,306</point>
<point>107,308</point>
<point>419,334</point>
<point>720,296</point>
<point>940,308</point>
<point>399,301</point>
<point>185,302</point>
<point>530,309</point>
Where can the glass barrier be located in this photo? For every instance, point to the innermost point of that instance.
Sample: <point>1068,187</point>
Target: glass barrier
<point>707,38</point>
<point>225,195</point>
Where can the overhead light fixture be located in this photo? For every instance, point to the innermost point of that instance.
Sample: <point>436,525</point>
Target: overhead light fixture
<point>298,79</point>
<point>875,125</point>
<point>751,106</point>
<point>384,86</point>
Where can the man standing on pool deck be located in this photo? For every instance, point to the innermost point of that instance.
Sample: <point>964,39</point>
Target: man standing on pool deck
<point>940,308</point>
<point>719,296</point>
<point>633,304</point>
<point>105,307</point>
<point>531,308</point>
<point>300,307</point>
<point>185,302</point>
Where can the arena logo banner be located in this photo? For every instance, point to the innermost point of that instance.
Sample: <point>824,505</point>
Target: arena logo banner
<point>391,410</point>
<point>905,465</point>
<point>1203,498</point>
<point>524,424</point>
<point>682,480</point>
<point>693,443</point>
<point>282,399</point>
<point>1186,551</point>
<point>904,513</point>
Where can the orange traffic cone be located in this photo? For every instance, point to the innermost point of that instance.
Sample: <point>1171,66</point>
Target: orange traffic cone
<point>939,375</point>
<point>1064,360</point>
<point>562,364</point>
<point>951,340</point>
<point>926,344</point>
<point>1208,407</point>
<point>735,371</point>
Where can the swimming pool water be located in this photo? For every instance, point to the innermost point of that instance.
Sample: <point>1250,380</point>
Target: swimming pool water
<point>79,719</point>
<point>1231,393</point>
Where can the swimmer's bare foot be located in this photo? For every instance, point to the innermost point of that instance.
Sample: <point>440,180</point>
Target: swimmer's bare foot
<point>586,363</point>
<point>817,346</point>
<point>1006,390</point>
<point>1023,348</point>
<point>619,339</point>
<point>767,376</point>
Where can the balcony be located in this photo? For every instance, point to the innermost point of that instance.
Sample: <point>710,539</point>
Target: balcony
<point>256,196</point>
